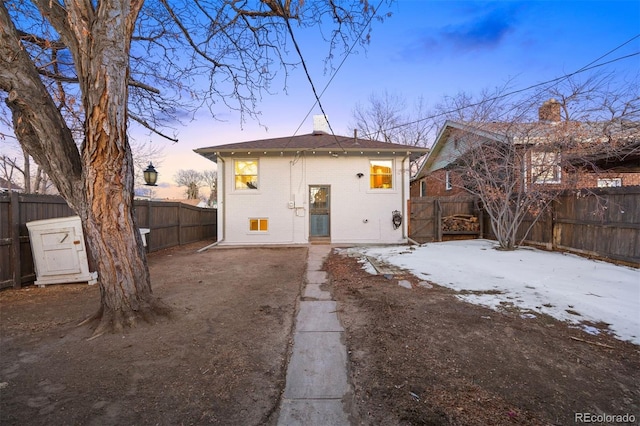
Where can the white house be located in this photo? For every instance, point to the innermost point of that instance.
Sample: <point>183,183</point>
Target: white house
<point>312,188</point>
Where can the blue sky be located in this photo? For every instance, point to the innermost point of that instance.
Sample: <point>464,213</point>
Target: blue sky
<point>432,49</point>
<point>429,49</point>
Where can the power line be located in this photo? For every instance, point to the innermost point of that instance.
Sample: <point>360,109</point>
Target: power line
<point>344,59</point>
<point>533,86</point>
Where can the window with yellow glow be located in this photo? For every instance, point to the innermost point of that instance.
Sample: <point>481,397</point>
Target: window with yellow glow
<point>259,225</point>
<point>381,174</point>
<point>246,174</point>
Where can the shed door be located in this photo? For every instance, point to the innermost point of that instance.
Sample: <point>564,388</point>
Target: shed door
<point>60,249</point>
<point>319,212</point>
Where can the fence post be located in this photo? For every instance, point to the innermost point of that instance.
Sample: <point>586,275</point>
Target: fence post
<point>14,224</point>
<point>438,221</point>
<point>556,231</point>
<point>180,223</point>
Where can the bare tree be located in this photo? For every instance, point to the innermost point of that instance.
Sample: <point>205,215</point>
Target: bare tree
<point>210,178</point>
<point>192,179</point>
<point>79,71</point>
<point>386,118</point>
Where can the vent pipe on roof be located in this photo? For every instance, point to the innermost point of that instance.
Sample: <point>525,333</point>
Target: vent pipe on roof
<point>320,124</point>
<point>355,137</point>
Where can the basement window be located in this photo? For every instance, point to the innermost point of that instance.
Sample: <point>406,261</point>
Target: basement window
<point>259,224</point>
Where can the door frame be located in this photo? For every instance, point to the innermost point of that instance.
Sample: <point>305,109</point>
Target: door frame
<point>320,211</point>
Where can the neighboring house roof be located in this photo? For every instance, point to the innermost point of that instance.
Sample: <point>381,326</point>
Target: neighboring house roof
<point>190,201</point>
<point>604,142</point>
<point>5,185</point>
<point>317,142</point>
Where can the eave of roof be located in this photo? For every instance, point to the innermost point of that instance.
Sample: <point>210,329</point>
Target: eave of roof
<point>314,143</point>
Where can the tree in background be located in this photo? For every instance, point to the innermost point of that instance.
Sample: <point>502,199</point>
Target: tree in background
<point>75,74</point>
<point>210,178</point>
<point>192,179</point>
<point>385,118</point>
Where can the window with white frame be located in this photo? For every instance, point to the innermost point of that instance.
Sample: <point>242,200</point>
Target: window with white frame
<point>246,174</point>
<point>258,224</point>
<point>423,188</point>
<point>545,167</point>
<point>447,180</point>
<point>381,174</point>
<point>609,182</point>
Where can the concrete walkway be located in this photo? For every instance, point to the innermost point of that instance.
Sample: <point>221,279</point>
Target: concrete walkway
<point>317,391</point>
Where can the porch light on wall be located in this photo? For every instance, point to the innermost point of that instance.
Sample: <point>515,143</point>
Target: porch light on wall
<point>150,175</point>
<point>359,175</point>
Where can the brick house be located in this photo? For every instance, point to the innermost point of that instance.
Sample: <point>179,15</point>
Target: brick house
<point>554,153</point>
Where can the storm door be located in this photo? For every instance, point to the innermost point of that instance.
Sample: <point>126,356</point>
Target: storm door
<point>319,212</point>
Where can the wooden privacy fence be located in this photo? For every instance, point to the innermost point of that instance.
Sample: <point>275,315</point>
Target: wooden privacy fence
<point>170,224</point>
<point>604,223</point>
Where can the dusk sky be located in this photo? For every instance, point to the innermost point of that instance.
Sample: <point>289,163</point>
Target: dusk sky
<point>432,49</point>
<point>426,49</point>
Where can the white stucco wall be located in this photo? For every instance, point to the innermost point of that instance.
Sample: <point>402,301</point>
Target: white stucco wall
<point>358,214</point>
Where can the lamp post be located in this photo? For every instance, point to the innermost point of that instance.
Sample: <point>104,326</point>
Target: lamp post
<point>150,178</point>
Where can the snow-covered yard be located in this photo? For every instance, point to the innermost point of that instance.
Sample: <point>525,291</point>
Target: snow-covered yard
<point>567,287</point>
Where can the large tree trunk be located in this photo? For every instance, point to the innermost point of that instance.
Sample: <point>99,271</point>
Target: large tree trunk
<point>98,183</point>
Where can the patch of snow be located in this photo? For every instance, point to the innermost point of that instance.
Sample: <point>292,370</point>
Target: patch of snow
<point>590,329</point>
<point>528,278</point>
<point>405,284</point>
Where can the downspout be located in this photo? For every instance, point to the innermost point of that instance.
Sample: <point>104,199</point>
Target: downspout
<point>223,215</point>
<point>405,172</point>
<point>404,203</point>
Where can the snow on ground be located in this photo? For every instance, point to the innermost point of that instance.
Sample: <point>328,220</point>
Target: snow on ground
<point>567,287</point>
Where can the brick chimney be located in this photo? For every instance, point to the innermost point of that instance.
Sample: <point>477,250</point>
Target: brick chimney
<point>549,112</point>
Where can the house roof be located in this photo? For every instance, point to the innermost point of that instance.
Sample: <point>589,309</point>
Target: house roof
<point>317,142</point>
<point>601,141</point>
<point>5,185</point>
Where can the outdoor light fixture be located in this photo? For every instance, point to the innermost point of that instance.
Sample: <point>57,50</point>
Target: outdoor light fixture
<point>150,175</point>
<point>359,175</point>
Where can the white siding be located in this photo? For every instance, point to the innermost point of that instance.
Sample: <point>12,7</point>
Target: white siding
<point>358,214</point>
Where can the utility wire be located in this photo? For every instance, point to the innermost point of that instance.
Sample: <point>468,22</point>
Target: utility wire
<point>557,79</point>
<point>585,68</point>
<point>313,87</point>
<point>344,59</point>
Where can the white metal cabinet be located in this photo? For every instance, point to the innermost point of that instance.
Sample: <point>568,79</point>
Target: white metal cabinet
<point>59,253</point>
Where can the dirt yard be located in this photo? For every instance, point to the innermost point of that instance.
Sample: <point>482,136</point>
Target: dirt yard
<point>422,357</point>
<point>416,357</point>
<point>220,360</point>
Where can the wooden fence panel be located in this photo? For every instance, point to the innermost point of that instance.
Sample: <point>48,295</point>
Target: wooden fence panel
<point>170,224</point>
<point>16,266</point>
<point>6,243</point>
<point>603,223</point>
